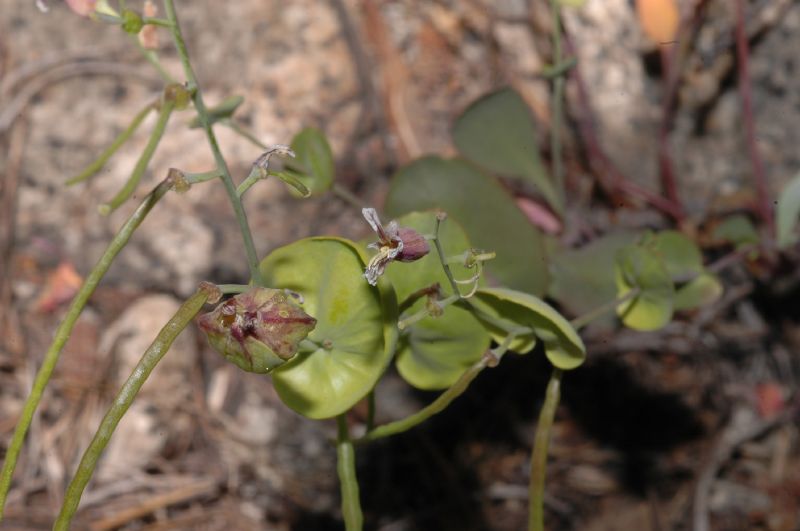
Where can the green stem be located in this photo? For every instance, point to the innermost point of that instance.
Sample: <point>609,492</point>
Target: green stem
<point>193,178</point>
<point>202,113</point>
<point>539,454</point>
<point>558,103</point>
<point>125,397</point>
<point>581,321</point>
<point>155,21</point>
<point>100,161</point>
<point>228,289</point>
<point>167,106</point>
<point>442,258</point>
<point>152,58</point>
<point>437,406</point>
<point>64,331</point>
<point>346,467</point>
<point>256,174</point>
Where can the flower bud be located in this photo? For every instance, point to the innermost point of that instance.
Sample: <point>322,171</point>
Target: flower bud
<point>257,330</point>
<point>414,245</point>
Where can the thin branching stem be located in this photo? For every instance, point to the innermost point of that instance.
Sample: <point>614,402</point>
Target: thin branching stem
<point>167,106</point>
<point>202,113</point>
<point>346,468</point>
<point>64,331</point>
<point>489,359</point>
<point>539,454</point>
<point>123,137</point>
<point>154,353</point>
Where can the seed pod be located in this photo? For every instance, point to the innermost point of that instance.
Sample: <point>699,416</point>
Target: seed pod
<point>257,330</point>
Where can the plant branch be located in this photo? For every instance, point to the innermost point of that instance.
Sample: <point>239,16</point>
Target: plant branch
<point>346,468</point>
<point>202,113</point>
<point>123,137</point>
<point>167,106</point>
<point>489,359</point>
<point>539,453</point>
<point>154,353</point>
<point>763,204</point>
<point>65,329</point>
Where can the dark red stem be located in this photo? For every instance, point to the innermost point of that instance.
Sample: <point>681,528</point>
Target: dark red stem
<point>763,204</point>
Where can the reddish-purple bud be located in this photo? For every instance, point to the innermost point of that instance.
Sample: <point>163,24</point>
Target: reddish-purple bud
<point>414,245</point>
<point>257,330</point>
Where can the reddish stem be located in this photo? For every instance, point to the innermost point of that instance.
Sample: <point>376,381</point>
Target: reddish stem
<point>666,170</point>
<point>763,205</point>
<point>610,178</point>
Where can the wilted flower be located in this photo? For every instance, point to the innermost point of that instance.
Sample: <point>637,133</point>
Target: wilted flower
<point>395,243</point>
<point>257,330</point>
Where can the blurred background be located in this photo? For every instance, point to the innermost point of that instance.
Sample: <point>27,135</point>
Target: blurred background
<point>658,431</point>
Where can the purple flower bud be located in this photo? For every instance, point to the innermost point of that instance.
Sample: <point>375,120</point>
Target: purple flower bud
<point>415,246</point>
<point>257,330</point>
<point>395,243</point>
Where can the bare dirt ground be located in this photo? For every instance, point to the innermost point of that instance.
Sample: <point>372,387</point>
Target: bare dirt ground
<point>658,431</point>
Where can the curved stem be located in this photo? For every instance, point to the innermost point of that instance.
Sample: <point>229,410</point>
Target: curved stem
<point>164,113</point>
<point>152,58</point>
<point>64,331</point>
<point>539,454</point>
<point>100,161</point>
<point>125,397</point>
<point>490,359</point>
<point>346,467</point>
<point>202,113</point>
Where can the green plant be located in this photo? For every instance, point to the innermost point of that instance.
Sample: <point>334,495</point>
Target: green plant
<point>457,282</point>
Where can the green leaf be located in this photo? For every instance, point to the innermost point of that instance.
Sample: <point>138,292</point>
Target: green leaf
<point>700,291</point>
<point>737,229</point>
<point>583,279</point>
<point>639,267</point>
<point>435,351</point>
<point>787,213</point>
<point>356,329</point>
<point>222,111</point>
<point>563,346</point>
<point>313,164</point>
<point>485,210</point>
<point>680,255</point>
<point>498,132</point>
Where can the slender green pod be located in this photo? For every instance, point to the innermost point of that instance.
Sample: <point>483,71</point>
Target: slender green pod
<point>154,353</point>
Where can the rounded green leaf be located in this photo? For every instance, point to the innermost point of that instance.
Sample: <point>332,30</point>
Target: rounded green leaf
<point>583,278</point>
<point>498,132</point>
<point>313,164</point>
<point>486,211</point>
<point>356,329</point>
<point>435,351</point>
<point>639,267</point>
<point>736,229</point>
<point>563,346</point>
<point>700,291</point>
<point>680,255</point>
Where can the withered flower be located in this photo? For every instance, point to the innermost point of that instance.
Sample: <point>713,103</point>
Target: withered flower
<point>395,243</point>
<point>257,330</point>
